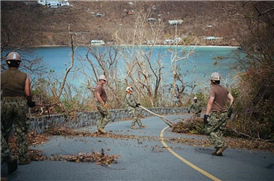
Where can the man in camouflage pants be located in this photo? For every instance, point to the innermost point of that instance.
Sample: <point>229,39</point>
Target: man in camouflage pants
<point>216,114</point>
<point>15,98</point>
<point>102,106</point>
<point>195,108</point>
<point>132,108</point>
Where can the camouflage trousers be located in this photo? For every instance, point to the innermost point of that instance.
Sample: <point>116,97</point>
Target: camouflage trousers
<point>5,150</point>
<point>14,113</point>
<point>196,115</point>
<point>104,116</point>
<point>215,128</point>
<point>135,116</point>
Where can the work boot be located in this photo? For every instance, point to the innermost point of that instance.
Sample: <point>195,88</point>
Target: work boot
<point>101,130</point>
<point>133,127</point>
<point>24,162</point>
<point>215,152</point>
<point>216,149</point>
<point>12,165</point>
<point>142,127</point>
<point>221,150</point>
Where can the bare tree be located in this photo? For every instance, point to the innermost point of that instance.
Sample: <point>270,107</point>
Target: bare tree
<point>255,94</point>
<point>17,36</point>
<point>178,54</point>
<point>103,60</point>
<point>142,72</point>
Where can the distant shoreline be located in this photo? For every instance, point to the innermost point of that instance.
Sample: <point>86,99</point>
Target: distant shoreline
<point>201,46</point>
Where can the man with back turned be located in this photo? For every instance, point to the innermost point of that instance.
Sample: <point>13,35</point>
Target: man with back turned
<point>216,114</point>
<point>15,100</point>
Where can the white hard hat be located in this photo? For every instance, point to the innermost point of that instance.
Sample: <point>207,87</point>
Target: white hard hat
<point>102,77</point>
<point>13,56</point>
<point>129,89</point>
<point>195,97</point>
<point>215,76</point>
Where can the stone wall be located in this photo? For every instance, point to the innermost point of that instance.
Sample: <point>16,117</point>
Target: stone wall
<point>40,124</point>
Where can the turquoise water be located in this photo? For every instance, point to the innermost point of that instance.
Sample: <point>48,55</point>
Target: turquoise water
<point>196,69</point>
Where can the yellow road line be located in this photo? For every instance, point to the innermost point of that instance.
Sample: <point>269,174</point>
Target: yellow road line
<point>184,160</point>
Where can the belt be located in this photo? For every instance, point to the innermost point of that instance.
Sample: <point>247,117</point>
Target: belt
<point>219,112</point>
<point>13,98</point>
<point>103,101</point>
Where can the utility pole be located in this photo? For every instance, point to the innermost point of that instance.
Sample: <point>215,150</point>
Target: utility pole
<point>174,66</point>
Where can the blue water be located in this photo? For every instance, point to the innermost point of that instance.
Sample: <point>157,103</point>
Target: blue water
<point>196,69</point>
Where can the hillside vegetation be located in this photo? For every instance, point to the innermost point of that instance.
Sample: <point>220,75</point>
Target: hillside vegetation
<point>36,25</point>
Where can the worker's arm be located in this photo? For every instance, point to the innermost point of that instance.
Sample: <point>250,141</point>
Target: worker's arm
<point>27,89</point>
<point>209,105</point>
<point>0,90</point>
<point>231,99</point>
<point>208,109</point>
<point>28,92</point>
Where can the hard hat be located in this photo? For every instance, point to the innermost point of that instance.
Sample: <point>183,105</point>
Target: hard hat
<point>102,77</point>
<point>195,98</point>
<point>13,56</point>
<point>129,89</point>
<point>215,76</point>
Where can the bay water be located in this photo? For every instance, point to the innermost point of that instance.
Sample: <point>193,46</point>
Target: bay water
<point>195,69</point>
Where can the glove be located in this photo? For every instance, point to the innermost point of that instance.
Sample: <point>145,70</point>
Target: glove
<point>31,104</point>
<point>205,119</point>
<point>188,111</point>
<point>106,106</point>
<point>229,112</point>
<point>138,104</point>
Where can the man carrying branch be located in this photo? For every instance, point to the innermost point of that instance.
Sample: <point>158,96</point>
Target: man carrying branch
<point>217,113</point>
<point>195,108</point>
<point>132,108</point>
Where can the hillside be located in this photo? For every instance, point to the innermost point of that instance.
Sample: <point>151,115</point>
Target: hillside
<point>36,25</point>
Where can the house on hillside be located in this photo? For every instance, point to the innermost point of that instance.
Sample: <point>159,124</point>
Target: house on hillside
<point>212,38</point>
<point>130,12</point>
<point>151,20</point>
<point>175,22</point>
<point>168,42</point>
<point>30,2</point>
<point>97,42</point>
<point>99,14</point>
<point>53,3</point>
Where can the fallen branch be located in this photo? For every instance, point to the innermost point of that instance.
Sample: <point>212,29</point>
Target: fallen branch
<point>248,136</point>
<point>162,117</point>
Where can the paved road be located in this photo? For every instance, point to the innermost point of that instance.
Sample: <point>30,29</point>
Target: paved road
<point>147,159</point>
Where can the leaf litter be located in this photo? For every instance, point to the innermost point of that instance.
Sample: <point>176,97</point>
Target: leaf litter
<point>192,126</point>
<point>181,127</point>
<point>36,155</point>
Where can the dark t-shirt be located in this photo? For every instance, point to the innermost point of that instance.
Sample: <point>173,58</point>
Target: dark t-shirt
<point>101,90</point>
<point>220,97</point>
<point>13,83</point>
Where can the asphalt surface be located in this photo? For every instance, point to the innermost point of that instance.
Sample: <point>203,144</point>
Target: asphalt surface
<point>145,159</point>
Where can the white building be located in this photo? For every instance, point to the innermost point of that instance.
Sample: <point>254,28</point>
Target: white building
<point>168,42</point>
<point>175,22</point>
<point>97,42</point>
<point>153,20</point>
<point>53,3</point>
<point>212,38</point>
